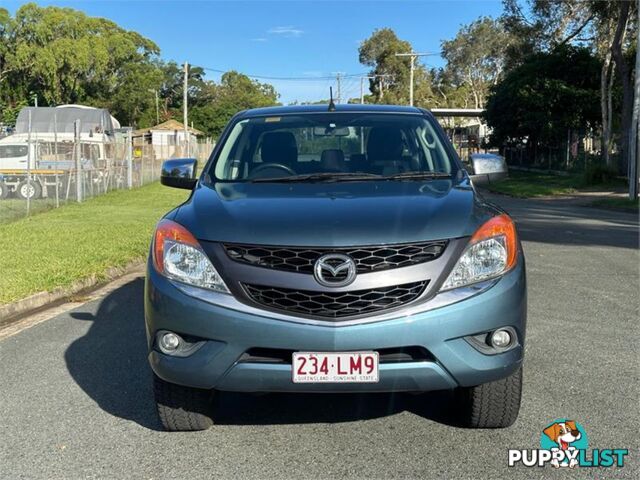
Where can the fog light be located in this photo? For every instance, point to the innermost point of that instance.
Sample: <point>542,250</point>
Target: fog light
<point>169,342</point>
<point>500,339</point>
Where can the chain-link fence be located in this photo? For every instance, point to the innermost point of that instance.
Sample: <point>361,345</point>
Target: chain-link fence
<point>43,171</point>
<point>580,150</point>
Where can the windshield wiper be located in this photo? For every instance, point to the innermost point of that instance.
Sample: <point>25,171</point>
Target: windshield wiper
<point>417,175</point>
<point>321,177</point>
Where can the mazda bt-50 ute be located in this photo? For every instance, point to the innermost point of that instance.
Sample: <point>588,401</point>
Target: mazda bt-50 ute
<point>339,249</point>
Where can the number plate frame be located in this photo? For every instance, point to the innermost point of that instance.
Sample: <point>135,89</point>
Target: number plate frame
<point>340,365</point>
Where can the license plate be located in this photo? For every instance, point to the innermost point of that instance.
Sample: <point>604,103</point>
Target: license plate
<point>342,367</point>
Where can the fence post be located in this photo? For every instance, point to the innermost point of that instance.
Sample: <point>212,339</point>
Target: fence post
<point>29,166</point>
<point>55,155</point>
<point>78,151</point>
<point>129,160</point>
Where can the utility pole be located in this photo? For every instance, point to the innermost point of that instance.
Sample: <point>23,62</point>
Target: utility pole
<point>339,85</point>
<point>412,56</point>
<point>184,107</point>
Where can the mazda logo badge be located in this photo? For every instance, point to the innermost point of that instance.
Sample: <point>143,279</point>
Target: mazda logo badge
<point>334,270</point>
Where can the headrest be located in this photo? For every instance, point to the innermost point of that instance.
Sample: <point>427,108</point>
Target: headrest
<point>333,159</point>
<point>384,144</point>
<point>279,147</point>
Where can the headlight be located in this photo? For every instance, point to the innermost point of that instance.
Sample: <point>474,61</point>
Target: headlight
<point>177,255</point>
<point>491,252</point>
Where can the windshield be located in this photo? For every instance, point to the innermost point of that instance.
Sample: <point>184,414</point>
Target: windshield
<point>332,146</point>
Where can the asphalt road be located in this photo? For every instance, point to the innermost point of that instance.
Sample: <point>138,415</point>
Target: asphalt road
<point>76,400</point>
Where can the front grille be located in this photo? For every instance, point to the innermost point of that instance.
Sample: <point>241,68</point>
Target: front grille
<point>335,304</point>
<point>367,259</point>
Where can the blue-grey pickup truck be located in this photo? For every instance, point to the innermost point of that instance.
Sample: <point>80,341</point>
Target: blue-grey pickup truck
<point>334,249</point>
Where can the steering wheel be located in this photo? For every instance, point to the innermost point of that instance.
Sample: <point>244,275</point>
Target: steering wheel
<point>266,166</point>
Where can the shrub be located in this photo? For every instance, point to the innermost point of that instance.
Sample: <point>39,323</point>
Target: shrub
<point>596,174</point>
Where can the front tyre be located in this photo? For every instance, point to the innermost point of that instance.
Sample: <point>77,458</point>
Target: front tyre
<point>491,405</point>
<point>29,189</point>
<point>182,409</point>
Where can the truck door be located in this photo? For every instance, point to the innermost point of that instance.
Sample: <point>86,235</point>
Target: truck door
<point>13,157</point>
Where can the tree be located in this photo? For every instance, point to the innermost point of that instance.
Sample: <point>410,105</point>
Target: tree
<point>546,24</point>
<point>625,72</point>
<point>475,59</point>
<point>540,99</point>
<point>6,31</point>
<point>391,82</point>
<point>7,107</point>
<point>235,92</point>
<point>63,56</point>
<point>172,86</point>
<point>131,97</point>
<point>68,56</point>
<point>605,26</point>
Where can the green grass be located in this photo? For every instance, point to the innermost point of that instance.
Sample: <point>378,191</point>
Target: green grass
<point>618,203</point>
<point>534,184</point>
<point>14,209</point>
<point>528,184</point>
<point>78,241</point>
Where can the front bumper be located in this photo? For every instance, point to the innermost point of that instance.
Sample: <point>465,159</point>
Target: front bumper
<point>230,333</point>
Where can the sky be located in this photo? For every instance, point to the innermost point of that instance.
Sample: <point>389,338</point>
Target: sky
<point>296,38</point>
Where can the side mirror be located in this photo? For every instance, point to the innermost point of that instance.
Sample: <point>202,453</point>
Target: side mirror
<point>179,173</point>
<point>488,168</point>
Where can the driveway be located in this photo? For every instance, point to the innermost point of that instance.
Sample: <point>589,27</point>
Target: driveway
<point>76,397</point>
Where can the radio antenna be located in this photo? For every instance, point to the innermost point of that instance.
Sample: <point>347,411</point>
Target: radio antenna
<point>332,105</point>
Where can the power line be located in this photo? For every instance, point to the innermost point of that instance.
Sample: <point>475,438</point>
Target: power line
<point>348,89</point>
<point>267,77</point>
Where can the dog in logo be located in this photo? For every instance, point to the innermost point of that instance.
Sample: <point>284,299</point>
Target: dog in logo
<point>564,434</point>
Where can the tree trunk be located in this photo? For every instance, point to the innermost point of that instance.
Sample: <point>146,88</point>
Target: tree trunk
<point>605,106</point>
<point>624,72</point>
<point>470,82</point>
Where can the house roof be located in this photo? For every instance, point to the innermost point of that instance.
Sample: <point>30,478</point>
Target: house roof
<point>170,126</point>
